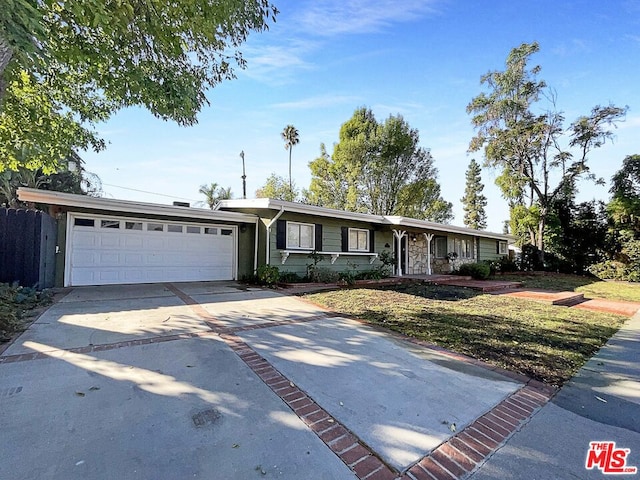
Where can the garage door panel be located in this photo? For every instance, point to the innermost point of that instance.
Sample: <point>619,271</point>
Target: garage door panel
<point>154,242</point>
<point>83,259</point>
<point>110,256</point>
<point>133,258</point>
<point>133,241</point>
<point>109,239</point>
<point>85,239</point>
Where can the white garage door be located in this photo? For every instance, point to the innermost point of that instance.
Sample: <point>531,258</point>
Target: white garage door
<point>109,250</point>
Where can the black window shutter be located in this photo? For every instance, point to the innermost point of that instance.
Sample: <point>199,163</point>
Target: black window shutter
<point>345,239</point>
<point>318,233</point>
<point>281,234</point>
<point>372,241</point>
<point>498,247</point>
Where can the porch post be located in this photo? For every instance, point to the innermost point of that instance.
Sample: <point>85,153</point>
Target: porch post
<point>399,234</point>
<point>429,237</point>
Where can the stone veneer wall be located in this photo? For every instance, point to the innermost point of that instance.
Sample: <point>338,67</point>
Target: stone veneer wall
<point>418,259</point>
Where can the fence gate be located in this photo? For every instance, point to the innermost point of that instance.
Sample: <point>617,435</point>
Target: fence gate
<point>27,247</point>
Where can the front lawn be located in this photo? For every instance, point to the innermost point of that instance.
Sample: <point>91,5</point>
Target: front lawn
<point>544,342</point>
<point>590,286</point>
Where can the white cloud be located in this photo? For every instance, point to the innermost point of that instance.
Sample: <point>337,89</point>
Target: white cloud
<point>277,64</point>
<point>334,17</point>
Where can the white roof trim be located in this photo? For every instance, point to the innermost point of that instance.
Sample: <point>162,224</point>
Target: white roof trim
<point>441,227</point>
<point>271,204</point>
<point>128,206</point>
<point>294,207</point>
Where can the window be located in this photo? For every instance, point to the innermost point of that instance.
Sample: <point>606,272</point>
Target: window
<point>110,223</point>
<point>502,248</point>
<point>463,247</point>
<point>300,235</point>
<point>210,231</point>
<point>84,222</point>
<point>226,231</point>
<point>358,240</point>
<point>155,227</point>
<point>174,228</point>
<point>133,225</point>
<point>440,247</point>
<point>191,229</point>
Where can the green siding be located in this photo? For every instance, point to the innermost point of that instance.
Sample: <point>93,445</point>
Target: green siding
<point>60,251</point>
<point>331,242</point>
<point>246,249</point>
<point>488,249</point>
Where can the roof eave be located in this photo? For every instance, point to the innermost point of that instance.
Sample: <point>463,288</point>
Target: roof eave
<point>415,223</point>
<point>128,206</point>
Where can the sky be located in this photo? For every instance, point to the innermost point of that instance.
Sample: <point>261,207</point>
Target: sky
<point>422,59</point>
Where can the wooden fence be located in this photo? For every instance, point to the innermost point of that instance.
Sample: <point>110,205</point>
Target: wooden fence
<point>27,247</point>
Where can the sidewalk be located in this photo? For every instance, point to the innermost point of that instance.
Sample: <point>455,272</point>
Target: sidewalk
<point>601,403</point>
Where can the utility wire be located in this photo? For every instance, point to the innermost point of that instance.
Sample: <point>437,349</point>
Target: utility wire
<point>150,193</point>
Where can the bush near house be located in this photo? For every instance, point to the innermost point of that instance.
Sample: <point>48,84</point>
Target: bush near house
<point>268,275</point>
<point>477,271</point>
<point>15,302</point>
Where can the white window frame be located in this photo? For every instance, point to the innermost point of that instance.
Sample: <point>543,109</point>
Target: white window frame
<point>464,248</point>
<point>301,247</point>
<point>358,231</point>
<point>503,247</point>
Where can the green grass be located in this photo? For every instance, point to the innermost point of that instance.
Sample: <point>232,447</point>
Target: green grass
<point>590,286</point>
<point>612,290</point>
<point>544,342</point>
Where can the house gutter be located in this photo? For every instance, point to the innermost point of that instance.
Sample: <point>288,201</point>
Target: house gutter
<point>269,225</point>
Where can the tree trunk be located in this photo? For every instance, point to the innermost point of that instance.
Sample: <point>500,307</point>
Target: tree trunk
<point>6,52</point>
<point>290,181</point>
<point>541,224</point>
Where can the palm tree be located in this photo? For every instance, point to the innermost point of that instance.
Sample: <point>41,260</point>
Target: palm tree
<point>291,137</point>
<point>214,194</point>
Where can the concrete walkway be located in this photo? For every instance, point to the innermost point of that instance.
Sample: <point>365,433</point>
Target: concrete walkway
<point>601,403</point>
<point>212,380</point>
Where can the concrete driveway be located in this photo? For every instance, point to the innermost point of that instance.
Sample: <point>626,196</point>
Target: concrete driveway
<point>218,381</point>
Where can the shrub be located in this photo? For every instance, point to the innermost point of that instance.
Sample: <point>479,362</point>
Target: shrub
<point>530,259</point>
<point>505,265</point>
<point>268,275</point>
<point>348,277</point>
<point>290,277</point>
<point>388,259</point>
<point>323,275</point>
<point>479,271</point>
<point>373,274</point>
<point>613,270</point>
<point>14,301</point>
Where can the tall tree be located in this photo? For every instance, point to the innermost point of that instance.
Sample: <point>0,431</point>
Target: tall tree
<point>291,137</point>
<point>378,168</point>
<point>276,187</point>
<point>473,201</point>
<point>214,193</point>
<point>529,148</point>
<point>71,177</point>
<point>624,207</point>
<point>93,57</point>
<point>623,252</point>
